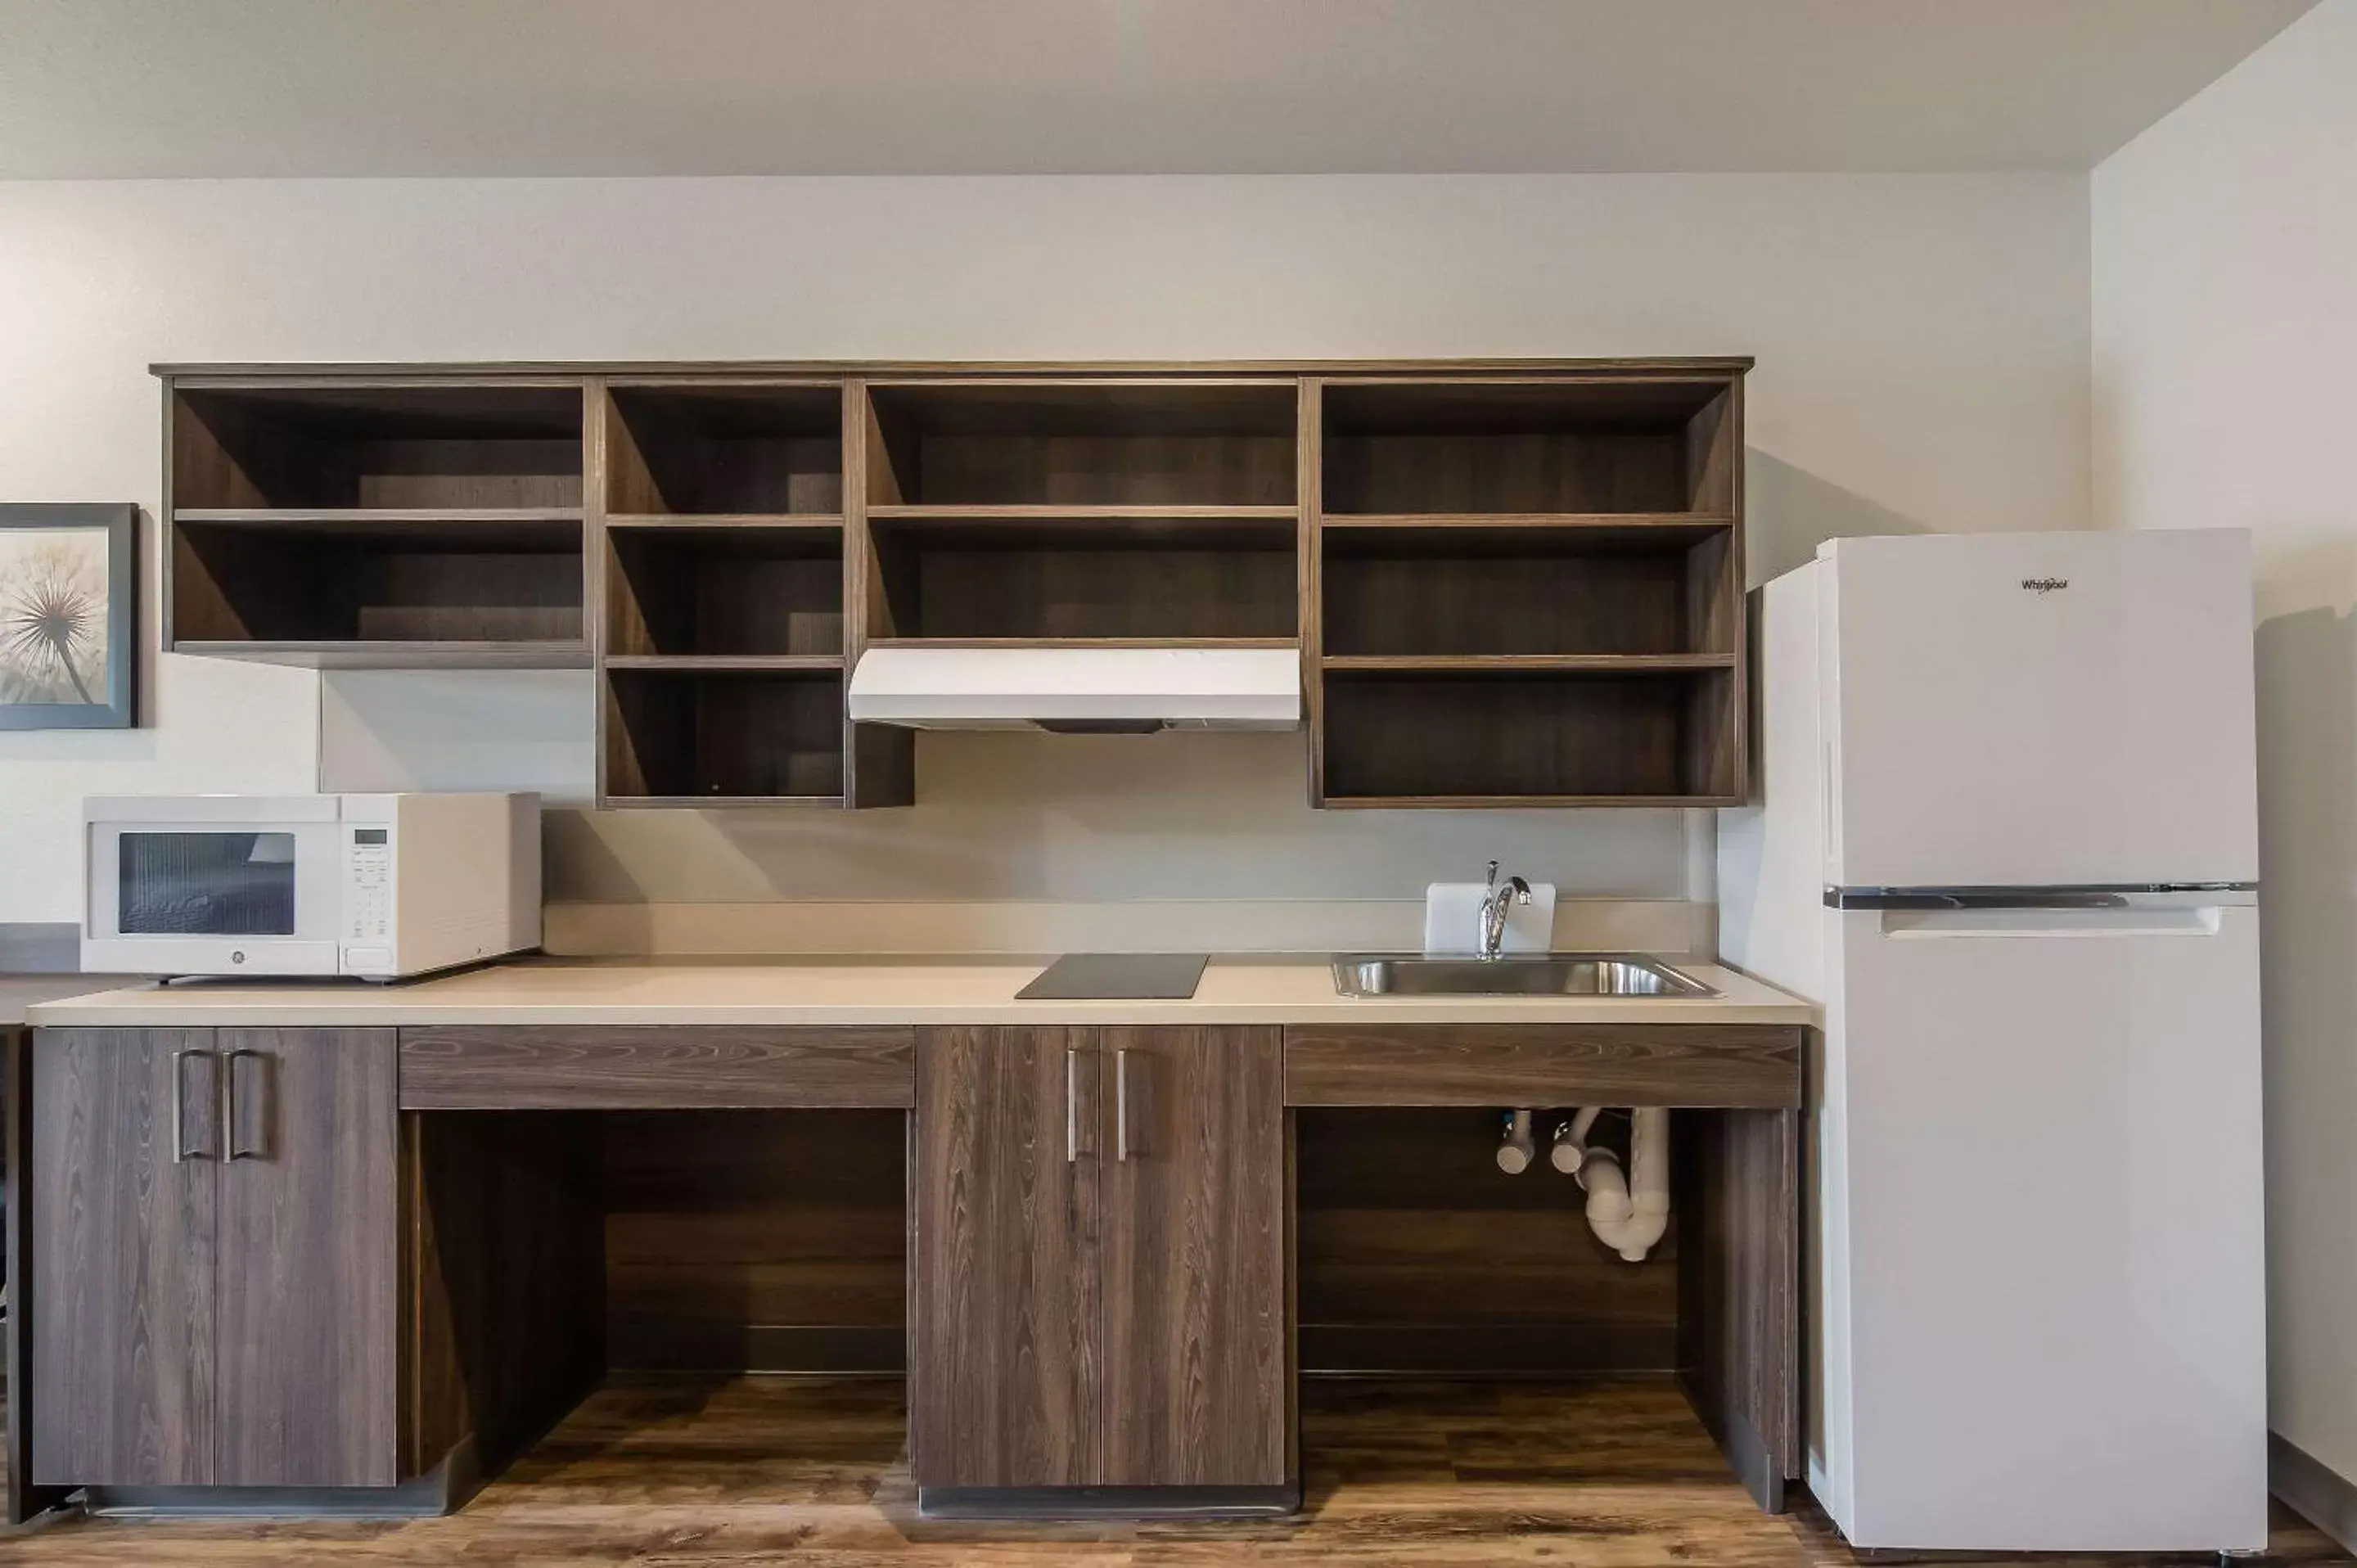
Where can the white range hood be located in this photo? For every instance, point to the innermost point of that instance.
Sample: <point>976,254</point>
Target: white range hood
<point>1080,690</point>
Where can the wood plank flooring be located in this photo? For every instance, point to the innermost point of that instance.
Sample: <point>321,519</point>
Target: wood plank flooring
<point>682,1473</point>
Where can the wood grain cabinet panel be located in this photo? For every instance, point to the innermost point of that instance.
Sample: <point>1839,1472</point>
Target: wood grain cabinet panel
<point>1738,1173</point>
<point>1541,1065</point>
<point>1006,1337</point>
<point>309,1261</point>
<point>122,1248</point>
<point>215,1229</point>
<point>1099,1260</point>
<point>672,1068</point>
<point>1196,1377</point>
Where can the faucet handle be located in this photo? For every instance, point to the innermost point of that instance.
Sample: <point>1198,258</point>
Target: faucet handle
<point>1490,881</point>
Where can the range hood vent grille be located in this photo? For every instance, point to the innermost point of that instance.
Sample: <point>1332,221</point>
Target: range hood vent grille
<point>1079,690</point>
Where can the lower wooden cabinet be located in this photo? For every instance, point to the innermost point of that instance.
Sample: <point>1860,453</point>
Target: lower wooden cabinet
<point>214,1247</point>
<point>1197,1374</point>
<point>1098,1258</point>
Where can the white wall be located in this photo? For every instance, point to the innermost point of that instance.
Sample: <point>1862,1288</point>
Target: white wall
<point>2225,377</point>
<point>1922,365</point>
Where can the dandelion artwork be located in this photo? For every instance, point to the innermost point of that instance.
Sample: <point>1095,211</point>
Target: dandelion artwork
<point>53,616</point>
<point>64,576</point>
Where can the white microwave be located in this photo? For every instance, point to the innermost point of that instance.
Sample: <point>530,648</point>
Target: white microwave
<point>382,886</point>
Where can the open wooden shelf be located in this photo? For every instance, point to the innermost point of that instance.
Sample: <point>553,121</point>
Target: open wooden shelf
<point>727,662</point>
<point>380,587</point>
<point>1449,532</point>
<point>422,654</point>
<point>1512,663</point>
<point>815,524</point>
<point>724,447</point>
<point>404,523</point>
<point>1529,591</point>
<point>723,734</point>
<point>724,588</point>
<point>311,446</point>
<point>1097,442</point>
<point>361,517</point>
<point>1534,736</point>
<point>1082,642</point>
<point>1083,516</point>
<point>1081,574</point>
<point>1640,444</point>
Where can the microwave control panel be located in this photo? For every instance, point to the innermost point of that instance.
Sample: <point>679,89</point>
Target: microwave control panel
<point>368,886</point>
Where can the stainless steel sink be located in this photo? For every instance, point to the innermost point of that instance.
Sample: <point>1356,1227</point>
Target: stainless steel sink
<point>1555,974</point>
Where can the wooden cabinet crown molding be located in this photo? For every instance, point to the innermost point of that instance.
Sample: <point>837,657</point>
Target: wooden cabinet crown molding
<point>282,372</point>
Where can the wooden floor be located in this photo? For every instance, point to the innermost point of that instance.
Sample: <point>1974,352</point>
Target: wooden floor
<point>773,1470</point>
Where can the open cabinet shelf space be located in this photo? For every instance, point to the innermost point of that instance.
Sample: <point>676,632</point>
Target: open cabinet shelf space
<point>1083,443</point>
<point>1538,737</point>
<point>385,591</point>
<point>1527,591</point>
<point>724,589</point>
<point>724,449</point>
<point>1641,445</point>
<point>708,736</point>
<point>332,447</point>
<point>1084,578</point>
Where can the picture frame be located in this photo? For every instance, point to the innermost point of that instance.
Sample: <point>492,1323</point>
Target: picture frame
<point>68,616</point>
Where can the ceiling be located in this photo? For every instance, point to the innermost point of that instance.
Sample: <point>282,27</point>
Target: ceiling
<point>96,89</point>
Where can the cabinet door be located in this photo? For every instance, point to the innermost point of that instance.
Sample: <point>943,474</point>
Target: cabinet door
<point>1004,1384</point>
<point>124,1176</point>
<point>1197,1376</point>
<point>309,1259</point>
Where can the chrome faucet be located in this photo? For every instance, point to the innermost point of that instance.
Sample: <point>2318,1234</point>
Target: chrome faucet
<point>1495,902</point>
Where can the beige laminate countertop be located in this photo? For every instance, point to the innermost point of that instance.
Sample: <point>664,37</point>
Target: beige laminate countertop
<point>19,993</point>
<point>836,991</point>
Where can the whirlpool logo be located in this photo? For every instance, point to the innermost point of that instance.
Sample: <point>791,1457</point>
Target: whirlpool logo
<point>2044,585</point>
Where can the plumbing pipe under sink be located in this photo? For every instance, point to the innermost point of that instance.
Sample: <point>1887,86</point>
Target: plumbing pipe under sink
<point>1519,1147</point>
<point>1629,1211</point>
<point>1571,1140</point>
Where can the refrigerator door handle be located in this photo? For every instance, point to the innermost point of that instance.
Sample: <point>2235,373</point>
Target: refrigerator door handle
<point>1916,924</point>
<point>2151,896</point>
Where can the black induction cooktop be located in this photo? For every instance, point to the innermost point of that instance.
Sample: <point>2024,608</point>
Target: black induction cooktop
<point>1141,976</point>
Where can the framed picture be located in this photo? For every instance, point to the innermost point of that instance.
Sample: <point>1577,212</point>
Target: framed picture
<point>68,616</point>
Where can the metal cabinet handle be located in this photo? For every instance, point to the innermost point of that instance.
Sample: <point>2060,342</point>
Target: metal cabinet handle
<point>1072,1105</point>
<point>181,1153</point>
<point>1121,1103</point>
<point>238,1151</point>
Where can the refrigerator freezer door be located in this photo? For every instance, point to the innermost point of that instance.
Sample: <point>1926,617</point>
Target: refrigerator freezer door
<point>2048,1131</point>
<point>2039,709</point>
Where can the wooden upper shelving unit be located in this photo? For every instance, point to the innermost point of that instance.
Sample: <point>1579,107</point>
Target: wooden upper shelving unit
<point>417,522</point>
<point>1512,582</point>
<point>1529,589</point>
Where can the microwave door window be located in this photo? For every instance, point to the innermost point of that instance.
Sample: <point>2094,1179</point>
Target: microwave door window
<point>206,885</point>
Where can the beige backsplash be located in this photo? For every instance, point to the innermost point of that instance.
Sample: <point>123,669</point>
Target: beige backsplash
<point>976,926</point>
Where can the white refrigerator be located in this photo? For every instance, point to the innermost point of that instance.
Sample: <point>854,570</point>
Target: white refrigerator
<point>2004,833</point>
